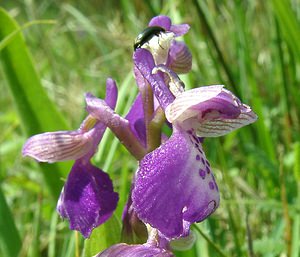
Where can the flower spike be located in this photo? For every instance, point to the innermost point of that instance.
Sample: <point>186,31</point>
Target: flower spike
<point>174,185</point>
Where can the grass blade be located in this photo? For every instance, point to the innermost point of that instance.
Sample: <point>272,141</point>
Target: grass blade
<point>209,241</point>
<point>10,241</point>
<point>288,23</point>
<point>212,37</point>
<point>36,111</point>
<point>103,237</point>
<point>296,219</point>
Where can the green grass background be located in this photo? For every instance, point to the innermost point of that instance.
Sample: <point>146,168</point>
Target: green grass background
<point>71,47</point>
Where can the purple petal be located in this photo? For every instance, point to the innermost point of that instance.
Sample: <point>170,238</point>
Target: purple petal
<point>166,23</point>
<point>175,186</point>
<point>140,80</point>
<point>161,21</point>
<point>109,103</point>
<point>99,109</point>
<point>100,127</point>
<point>144,62</point>
<point>135,117</point>
<point>111,93</point>
<point>71,145</point>
<point>180,58</point>
<point>181,107</point>
<point>180,29</point>
<point>58,146</point>
<point>124,250</point>
<point>211,111</point>
<point>87,199</point>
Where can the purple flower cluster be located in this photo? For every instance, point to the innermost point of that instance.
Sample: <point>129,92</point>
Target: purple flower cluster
<point>174,185</point>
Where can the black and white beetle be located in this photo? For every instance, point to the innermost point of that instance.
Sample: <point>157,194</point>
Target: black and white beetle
<point>146,35</point>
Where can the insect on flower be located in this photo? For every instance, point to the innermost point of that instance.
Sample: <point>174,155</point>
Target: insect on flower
<point>146,35</point>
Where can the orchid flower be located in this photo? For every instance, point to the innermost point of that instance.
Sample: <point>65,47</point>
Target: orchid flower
<point>174,184</point>
<point>87,199</point>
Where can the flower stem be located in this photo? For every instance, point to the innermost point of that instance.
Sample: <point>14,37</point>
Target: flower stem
<point>216,247</point>
<point>155,129</point>
<point>148,108</point>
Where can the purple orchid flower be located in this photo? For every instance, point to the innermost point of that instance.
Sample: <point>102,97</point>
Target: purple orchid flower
<point>174,184</point>
<point>87,199</point>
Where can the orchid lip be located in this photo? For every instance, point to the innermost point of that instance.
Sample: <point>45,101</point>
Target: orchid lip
<point>175,186</point>
<point>87,199</point>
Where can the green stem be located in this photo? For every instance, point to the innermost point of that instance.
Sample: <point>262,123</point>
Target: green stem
<point>148,108</point>
<point>210,242</point>
<point>286,105</point>
<point>283,195</point>
<point>155,127</point>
